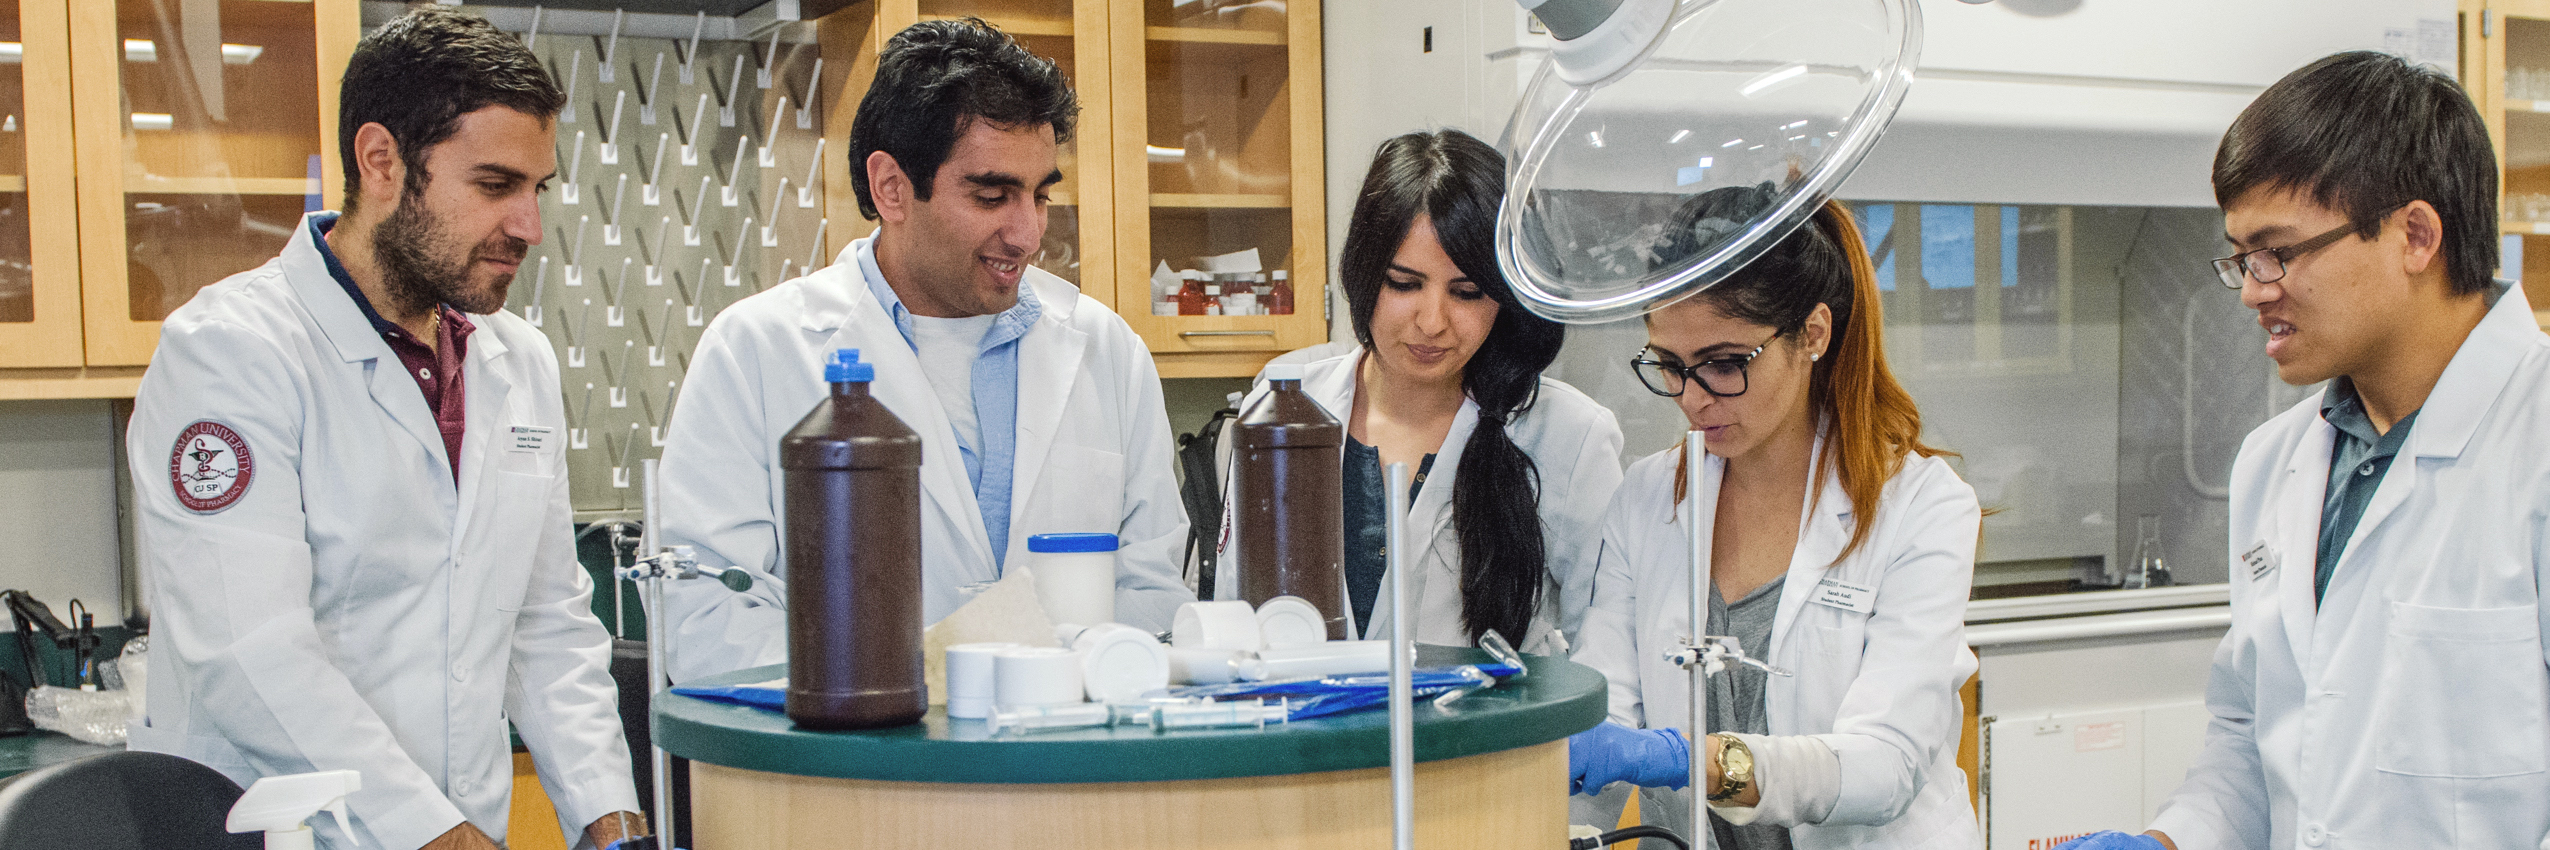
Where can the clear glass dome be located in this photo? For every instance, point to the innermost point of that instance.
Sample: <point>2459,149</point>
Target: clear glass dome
<point>1655,183</point>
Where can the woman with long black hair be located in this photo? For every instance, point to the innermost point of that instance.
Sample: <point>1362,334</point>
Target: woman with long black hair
<point>1512,469</point>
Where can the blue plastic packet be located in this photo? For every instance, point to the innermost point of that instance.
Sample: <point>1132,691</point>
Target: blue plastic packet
<point>771,695</point>
<point>1331,695</point>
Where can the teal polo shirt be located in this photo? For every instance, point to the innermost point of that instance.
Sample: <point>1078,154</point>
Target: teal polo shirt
<point>2356,466</point>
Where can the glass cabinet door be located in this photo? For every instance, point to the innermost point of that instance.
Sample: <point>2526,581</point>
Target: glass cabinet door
<point>39,273</point>
<point>214,109</point>
<point>2514,95</point>
<point>1219,174</point>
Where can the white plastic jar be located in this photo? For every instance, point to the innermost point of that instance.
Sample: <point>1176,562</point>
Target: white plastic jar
<point>1075,576</point>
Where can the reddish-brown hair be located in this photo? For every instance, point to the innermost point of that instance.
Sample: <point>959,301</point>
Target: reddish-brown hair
<point>1872,422</point>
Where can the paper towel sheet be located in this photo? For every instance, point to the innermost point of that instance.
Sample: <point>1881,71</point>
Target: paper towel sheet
<point>1006,611</point>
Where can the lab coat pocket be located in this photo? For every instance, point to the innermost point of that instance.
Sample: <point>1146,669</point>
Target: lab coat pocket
<point>1832,657</point>
<point>513,530</point>
<point>1083,491</point>
<point>2463,692</point>
<point>1841,644</point>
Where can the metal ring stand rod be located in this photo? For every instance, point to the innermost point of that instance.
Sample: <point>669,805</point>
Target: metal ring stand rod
<point>1701,653</point>
<point>650,576</point>
<point>660,564</point>
<point>1698,539</point>
<point>1403,728</point>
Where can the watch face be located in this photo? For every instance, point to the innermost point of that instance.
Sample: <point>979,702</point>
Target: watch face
<point>1739,760</point>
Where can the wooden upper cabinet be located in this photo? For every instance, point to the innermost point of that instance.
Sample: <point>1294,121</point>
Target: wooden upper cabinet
<point>2506,69</point>
<point>1199,136</point>
<point>39,233</point>
<point>1219,152</point>
<point>1079,242</point>
<point>205,128</point>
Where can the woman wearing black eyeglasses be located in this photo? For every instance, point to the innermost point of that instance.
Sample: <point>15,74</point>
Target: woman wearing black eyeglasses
<point>1841,548</point>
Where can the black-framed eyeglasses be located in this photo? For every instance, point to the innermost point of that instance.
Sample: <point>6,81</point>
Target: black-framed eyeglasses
<point>2266,265</point>
<point>1721,377</point>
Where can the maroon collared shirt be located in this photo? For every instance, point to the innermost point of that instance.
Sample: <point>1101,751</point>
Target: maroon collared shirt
<point>437,371</point>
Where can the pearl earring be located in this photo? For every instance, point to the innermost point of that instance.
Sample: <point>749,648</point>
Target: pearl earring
<point>1814,357</point>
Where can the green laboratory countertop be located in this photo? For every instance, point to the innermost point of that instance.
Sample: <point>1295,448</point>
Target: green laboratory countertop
<point>1559,698</point>
<point>22,753</point>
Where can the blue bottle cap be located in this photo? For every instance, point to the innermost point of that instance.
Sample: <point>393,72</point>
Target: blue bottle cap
<point>845,368</point>
<point>1076,542</point>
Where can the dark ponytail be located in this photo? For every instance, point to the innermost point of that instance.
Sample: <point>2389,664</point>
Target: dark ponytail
<point>1458,181</point>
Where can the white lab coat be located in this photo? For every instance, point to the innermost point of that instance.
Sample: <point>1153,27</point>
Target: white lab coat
<point>1092,455</point>
<point>1880,688</point>
<point>1574,444</point>
<point>354,609</point>
<point>2418,713</point>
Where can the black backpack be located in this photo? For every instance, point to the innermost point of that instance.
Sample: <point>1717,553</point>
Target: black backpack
<point>1201,489</point>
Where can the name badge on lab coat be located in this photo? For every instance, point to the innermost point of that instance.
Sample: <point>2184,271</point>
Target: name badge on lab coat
<point>529,438</point>
<point>1836,593</point>
<point>2261,561</point>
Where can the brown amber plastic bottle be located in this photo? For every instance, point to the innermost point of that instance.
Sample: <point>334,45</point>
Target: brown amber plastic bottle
<point>1288,510</point>
<point>851,493</point>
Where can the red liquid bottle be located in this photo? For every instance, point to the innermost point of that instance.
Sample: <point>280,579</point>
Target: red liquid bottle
<point>1279,296</point>
<point>1191,298</point>
<point>851,495</point>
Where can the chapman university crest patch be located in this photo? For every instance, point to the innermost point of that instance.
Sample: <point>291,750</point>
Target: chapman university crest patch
<point>211,467</point>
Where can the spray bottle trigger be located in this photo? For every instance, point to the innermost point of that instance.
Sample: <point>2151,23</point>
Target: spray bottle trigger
<point>337,808</point>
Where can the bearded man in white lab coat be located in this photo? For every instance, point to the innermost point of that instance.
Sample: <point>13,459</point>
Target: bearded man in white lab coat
<point>2384,683</point>
<point>354,514</point>
<point>1039,410</point>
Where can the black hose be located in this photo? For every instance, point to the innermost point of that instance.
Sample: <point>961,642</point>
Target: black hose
<point>1624,834</point>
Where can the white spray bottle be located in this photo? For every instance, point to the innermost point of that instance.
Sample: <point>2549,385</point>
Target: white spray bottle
<point>280,807</point>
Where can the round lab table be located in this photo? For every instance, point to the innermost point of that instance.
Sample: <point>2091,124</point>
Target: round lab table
<point>1491,773</point>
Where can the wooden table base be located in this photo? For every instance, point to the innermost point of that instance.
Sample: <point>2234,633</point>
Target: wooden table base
<point>1511,799</point>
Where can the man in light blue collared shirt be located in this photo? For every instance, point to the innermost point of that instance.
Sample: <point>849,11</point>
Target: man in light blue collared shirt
<point>1039,410</point>
<point>988,398</point>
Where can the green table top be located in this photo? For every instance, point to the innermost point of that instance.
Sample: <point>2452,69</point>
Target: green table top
<point>22,753</point>
<point>1559,698</point>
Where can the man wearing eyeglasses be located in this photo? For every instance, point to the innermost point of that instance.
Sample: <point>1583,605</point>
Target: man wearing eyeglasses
<point>2384,682</point>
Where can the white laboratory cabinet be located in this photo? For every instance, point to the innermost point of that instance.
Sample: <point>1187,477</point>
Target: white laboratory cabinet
<point>2091,708</point>
<point>2110,104</point>
<point>2055,777</point>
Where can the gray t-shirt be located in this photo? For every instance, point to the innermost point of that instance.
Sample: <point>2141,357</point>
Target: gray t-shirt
<point>1736,696</point>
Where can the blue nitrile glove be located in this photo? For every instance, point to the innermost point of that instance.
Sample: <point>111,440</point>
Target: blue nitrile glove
<point>640,842</point>
<point>1611,753</point>
<point>2111,840</point>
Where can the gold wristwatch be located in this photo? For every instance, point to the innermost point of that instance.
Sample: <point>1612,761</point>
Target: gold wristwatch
<point>1735,767</point>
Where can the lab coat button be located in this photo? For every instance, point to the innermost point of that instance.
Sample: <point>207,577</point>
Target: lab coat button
<point>2313,835</point>
<point>459,673</point>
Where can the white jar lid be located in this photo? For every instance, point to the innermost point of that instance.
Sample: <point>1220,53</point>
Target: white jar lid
<point>1285,622</point>
<point>1120,663</point>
